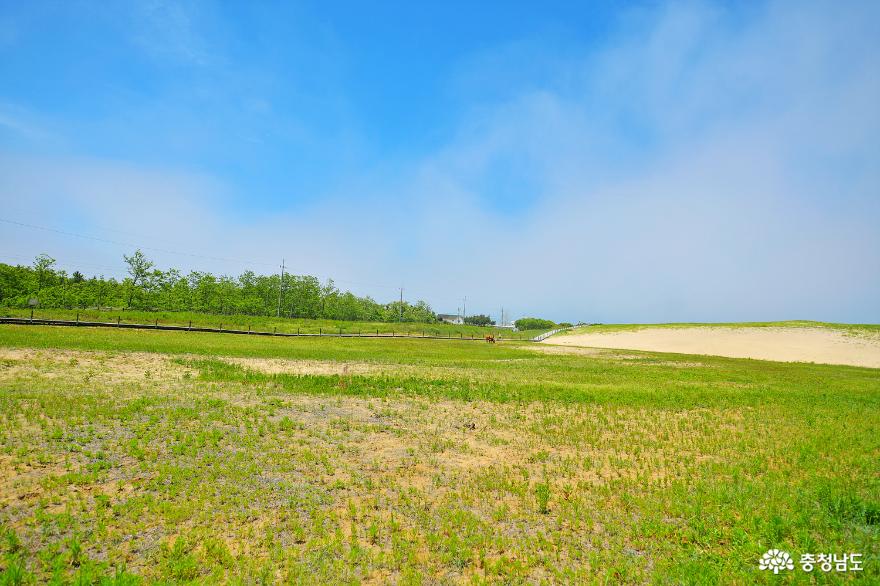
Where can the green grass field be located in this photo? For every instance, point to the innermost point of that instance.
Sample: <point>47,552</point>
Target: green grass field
<point>268,324</point>
<point>176,457</point>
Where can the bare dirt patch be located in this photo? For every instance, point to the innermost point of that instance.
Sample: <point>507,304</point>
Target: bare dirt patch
<point>820,345</point>
<point>104,367</point>
<point>318,367</point>
<point>568,349</point>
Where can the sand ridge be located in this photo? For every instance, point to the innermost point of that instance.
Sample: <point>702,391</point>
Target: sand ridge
<point>784,344</point>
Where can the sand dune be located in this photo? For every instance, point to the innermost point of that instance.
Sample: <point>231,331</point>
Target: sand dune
<point>821,345</point>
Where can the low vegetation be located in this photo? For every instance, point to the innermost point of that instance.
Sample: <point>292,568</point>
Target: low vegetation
<point>270,323</point>
<point>534,323</point>
<point>336,460</point>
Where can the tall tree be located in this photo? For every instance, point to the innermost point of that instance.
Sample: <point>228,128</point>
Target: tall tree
<point>139,268</point>
<point>43,265</point>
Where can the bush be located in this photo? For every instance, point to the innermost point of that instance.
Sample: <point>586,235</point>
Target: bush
<point>479,320</point>
<point>534,323</point>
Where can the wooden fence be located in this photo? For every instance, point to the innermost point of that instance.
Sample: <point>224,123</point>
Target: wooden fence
<point>191,328</point>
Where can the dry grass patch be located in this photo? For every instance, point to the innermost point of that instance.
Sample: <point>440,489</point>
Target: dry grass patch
<point>319,367</point>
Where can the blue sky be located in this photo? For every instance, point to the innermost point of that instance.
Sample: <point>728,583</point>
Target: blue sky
<point>598,161</point>
<point>279,101</point>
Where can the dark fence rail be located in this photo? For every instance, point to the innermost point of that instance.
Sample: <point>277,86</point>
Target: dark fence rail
<point>157,326</point>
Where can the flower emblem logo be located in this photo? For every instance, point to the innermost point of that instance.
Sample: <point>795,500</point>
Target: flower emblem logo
<point>776,560</point>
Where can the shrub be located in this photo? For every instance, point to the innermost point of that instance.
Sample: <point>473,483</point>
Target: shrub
<point>534,323</point>
<point>479,320</point>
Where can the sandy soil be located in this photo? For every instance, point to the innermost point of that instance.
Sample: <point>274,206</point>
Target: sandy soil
<point>820,345</point>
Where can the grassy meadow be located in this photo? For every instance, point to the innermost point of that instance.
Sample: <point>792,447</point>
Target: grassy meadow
<point>177,457</point>
<point>268,324</point>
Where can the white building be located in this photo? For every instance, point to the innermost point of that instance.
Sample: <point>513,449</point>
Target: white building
<point>450,318</point>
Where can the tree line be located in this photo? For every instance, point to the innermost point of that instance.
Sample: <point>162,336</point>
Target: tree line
<point>536,323</point>
<point>479,320</point>
<point>151,289</point>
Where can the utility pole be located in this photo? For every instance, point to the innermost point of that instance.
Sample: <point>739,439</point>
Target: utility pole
<point>280,288</point>
<point>464,310</point>
<point>401,305</point>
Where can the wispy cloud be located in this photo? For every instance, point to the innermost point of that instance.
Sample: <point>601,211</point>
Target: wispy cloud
<point>168,31</point>
<point>21,125</point>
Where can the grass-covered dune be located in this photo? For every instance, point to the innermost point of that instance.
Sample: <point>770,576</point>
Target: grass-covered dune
<point>176,457</point>
<point>269,324</point>
<point>825,343</point>
<point>850,328</point>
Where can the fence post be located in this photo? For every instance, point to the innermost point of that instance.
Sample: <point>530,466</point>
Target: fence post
<point>297,331</point>
<point>221,327</point>
<point>157,322</point>
<point>320,331</point>
<point>340,331</point>
<point>118,320</point>
<point>275,330</point>
<point>77,317</point>
<point>190,324</point>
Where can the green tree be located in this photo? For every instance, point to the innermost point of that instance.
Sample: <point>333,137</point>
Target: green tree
<point>479,320</point>
<point>534,323</point>
<point>139,269</point>
<point>158,290</point>
<point>43,266</point>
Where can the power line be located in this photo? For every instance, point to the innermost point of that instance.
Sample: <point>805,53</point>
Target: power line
<point>242,262</point>
<point>169,251</point>
<point>68,262</point>
<point>130,245</point>
<point>359,283</point>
